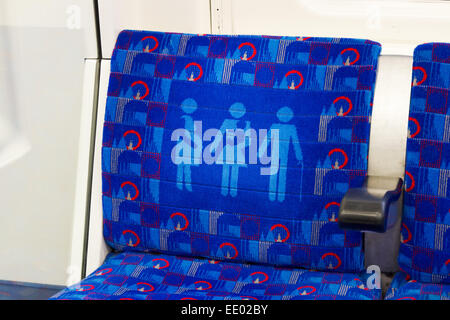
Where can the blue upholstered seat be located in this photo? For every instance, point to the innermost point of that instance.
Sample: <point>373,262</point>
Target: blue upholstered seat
<point>403,288</point>
<point>163,192</point>
<point>425,249</point>
<point>162,277</point>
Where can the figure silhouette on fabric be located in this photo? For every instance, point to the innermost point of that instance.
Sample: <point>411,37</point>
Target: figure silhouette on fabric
<point>230,167</point>
<point>287,135</point>
<point>187,160</point>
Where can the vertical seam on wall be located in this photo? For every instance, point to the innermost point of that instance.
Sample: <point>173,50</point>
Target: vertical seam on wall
<point>215,14</point>
<point>97,29</point>
<point>210,17</point>
<point>92,138</point>
<point>91,166</point>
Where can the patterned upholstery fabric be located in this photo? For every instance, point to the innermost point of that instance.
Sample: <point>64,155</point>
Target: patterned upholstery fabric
<point>161,277</point>
<point>403,288</point>
<point>316,92</point>
<point>425,250</point>
<point>166,207</point>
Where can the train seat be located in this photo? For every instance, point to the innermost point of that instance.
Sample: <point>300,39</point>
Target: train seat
<point>149,276</point>
<point>190,215</point>
<point>404,288</point>
<point>424,255</point>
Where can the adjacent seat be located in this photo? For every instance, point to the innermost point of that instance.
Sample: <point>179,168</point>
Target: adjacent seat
<point>424,255</point>
<point>403,288</point>
<point>186,207</point>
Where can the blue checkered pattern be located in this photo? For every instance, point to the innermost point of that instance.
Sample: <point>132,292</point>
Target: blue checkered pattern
<point>403,288</point>
<point>135,276</point>
<point>425,249</point>
<point>316,92</point>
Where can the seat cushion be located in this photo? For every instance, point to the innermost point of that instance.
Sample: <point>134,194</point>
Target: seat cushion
<point>403,288</point>
<point>169,186</point>
<point>425,249</point>
<point>131,275</point>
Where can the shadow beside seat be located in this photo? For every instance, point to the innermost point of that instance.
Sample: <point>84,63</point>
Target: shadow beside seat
<point>181,228</point>
<point>424,255</point>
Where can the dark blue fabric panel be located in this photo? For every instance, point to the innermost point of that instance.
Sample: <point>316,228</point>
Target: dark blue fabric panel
<point>256,99</point>
<point>428,154</point>
<point>429,101</point>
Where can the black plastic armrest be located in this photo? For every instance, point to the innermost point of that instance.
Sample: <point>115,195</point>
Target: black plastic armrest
<point>374,207</point>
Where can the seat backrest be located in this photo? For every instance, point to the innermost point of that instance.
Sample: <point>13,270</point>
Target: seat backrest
<point>425,249</point>
<point>173,182</point>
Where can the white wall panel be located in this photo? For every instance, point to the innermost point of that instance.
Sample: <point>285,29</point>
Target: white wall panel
<point>191,16</point>
<point>399,24</point>
<point>42,49</point>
